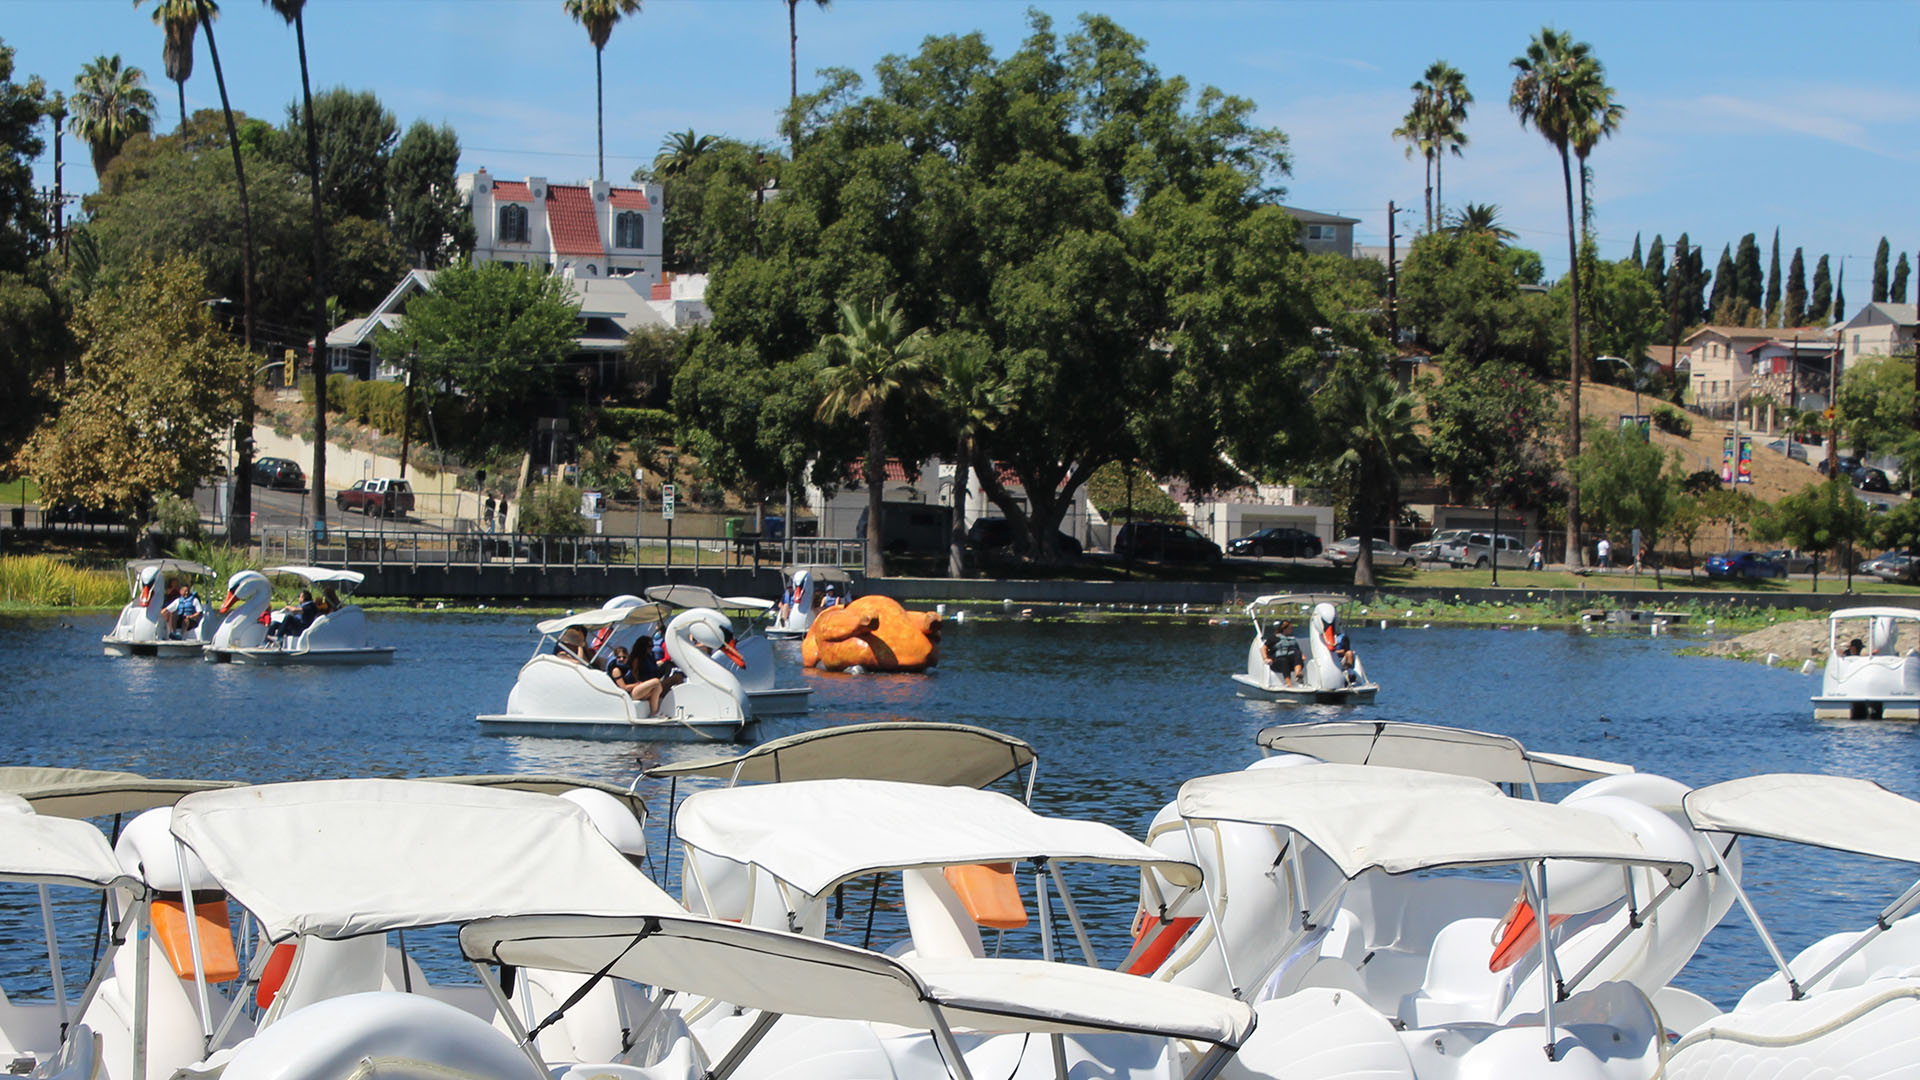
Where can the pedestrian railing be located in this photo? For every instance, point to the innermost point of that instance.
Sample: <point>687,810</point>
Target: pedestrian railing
<point>379,548</point>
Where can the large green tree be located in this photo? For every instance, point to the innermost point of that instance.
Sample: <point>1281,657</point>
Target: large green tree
<point>1433,126</point>
<point>431,221</point>
<point>1462,295</point>
<point>1725,289</point>
<point>110,104</point>
<point>179,22</point>
<point>356,136</point>
<point>873,363</point>
<point>1795,299</point>
<point>1368,422</point>
<point>1875,408</point>
<point>1820,303</point>
<point>1487,430</point>
<point>972,398</point>
<point>599,17</point>
<point>1880,256</point>
<point>1623,312</point>
<point>793,57</point>
<point>34,337</point>
<point>1821,517</point>
<point>1627,483</point>
<point>1748,282</point>
<point>23,218</point>
<point>1897,292</point>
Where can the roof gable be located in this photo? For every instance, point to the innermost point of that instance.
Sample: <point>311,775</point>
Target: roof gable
<point>571,221</point>
<point>512,191</point>
<point>628,199</point>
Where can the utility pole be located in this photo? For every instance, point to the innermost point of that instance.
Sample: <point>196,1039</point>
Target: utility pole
<point>406,413</point>
<point>1393,293</point>
<point>57,110</point>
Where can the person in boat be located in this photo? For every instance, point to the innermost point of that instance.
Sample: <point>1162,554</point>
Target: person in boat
<point>636,674</point>
<point>1343,655</point>
<point>295,617</point>
<point>572,645</point>
<point>1282,653</point>
<point>829,597</point>
<point>183,611</point>
<point>1856,647</point>
<point>329,601</point>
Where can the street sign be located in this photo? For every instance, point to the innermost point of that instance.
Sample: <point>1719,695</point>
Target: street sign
<point>666,502</point>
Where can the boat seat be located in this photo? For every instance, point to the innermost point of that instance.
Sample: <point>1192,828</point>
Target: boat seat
<point>29,1029</point>
<point>324,969</point>
<point>1458,987</point>
<point>937,919</point>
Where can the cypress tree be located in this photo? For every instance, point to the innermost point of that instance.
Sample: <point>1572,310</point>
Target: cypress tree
<point>1796,298</point>
<point>1773,282</point>
<point>1657,266</point>
<point>1821,301</point>
<point>1880,255</point>
<point>1840,295</point>
<point>1747,283</point>
<point>1697,280</point>
<point>1637,260</point>
<point>1723,284</point>
<point>1898,291</point>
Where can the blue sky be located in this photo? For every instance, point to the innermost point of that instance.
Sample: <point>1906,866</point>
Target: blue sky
<point>1741,117</point>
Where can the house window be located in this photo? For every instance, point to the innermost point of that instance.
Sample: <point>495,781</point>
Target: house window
<point>629,230</point>
<point>1320,232</point>
<point>592,271</point>
<point>336,359</point>
<point>513,224</point>
<point>1856,344</point>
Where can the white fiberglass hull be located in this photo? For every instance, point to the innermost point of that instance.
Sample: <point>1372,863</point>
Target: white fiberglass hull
<point>782,701</point>
<point>185,649</point>
<point>270,657</point>
<point>1358,694</point>
<point>651,729</point>
<point>1892,707</point>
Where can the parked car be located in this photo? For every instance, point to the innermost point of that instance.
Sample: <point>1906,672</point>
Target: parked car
<point>1789,447</point>
<point>1347,552</point>
<point>1165,542</point>
<point>1429,550</point>
<point>1480,549</point>
<point>1871,479</point>
<point>78,513</point>
<point>1279,540</point>
<point>998,535</point>
<point>1793,561</point>
<point>1747,565</point>
<point>1849,466</point>
<point>1904,569</point>
<point>1873,565</point>
<point>279,472</point>
<point>387,498</point>
<point>908,528</point>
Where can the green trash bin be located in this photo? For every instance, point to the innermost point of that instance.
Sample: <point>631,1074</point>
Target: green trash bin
<point>736,526</point>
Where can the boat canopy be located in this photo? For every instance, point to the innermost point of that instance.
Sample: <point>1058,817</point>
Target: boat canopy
<point>342,858</point>
<point>815,834</point>
<point>913,752</point>
<point>1458,751</point>
<point>692,596</point>
<point>1837,812</point>
<point>85,793</point>
<point>321,575</point>
<point>599,617</point>
<point>1366,818</point>
<point>37,850</point>
<point>788,974</point>
<point>549,784</point>
<point>1283,603</point>
<point>826,575</point>
<point>1873,613</point>
<point>169,566</point>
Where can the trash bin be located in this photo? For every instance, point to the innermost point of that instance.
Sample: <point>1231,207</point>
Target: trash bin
<point>19,515</point>
<point>736,526</point>
<point>320,532</point>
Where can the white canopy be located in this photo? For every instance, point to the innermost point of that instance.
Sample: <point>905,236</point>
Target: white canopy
<point>598,617</point>
<point>341,858</point>
<point>692,596</point>
<point>548,784</point>
<point>792,975</point>
<point>85,793</point>
<point>815,834</point>
<point>320,575</point>
<point>830,575</point>
<point>58,851</point>
<point>1837,812</point>
<point>916,752</point>
<point>1873,613</point>
<point>1282,601</point>
<point>169,566</point>
<point>1459,751</point>
<point>1400,820</point>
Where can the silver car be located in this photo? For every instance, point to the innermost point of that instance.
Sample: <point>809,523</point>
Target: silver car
<point>1347,552</point>
<point>1480,549</point>
<point>1431,550</point>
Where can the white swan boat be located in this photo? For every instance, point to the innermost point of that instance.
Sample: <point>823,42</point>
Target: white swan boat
<point>1323,679</point>
<point>1849,1004</point>
<point>759,671</point>
<point>1497,759</point>
<point>336,637</point>
<point>1879,683</point>
<point>908,751</point>
<point>557,696</point>
<point>803,590</point>
<point>142,627</point>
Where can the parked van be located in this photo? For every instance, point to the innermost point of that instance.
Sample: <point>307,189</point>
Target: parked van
<point>910,528</point>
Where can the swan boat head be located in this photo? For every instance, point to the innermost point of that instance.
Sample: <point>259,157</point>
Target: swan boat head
<point>243,626</point>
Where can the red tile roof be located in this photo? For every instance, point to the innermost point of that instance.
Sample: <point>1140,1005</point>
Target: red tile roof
<point>895,471</point>
<point>512,191</point>
<point>629,199</point>
<point>570,221</point>
<point>661,291</point>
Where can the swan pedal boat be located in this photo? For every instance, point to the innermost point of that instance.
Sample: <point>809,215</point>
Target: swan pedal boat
<point>801,586</point>
<point>559,698</point>
<point>141,628</point>
<point>1323,682</point>
<point>1881,684</point>
<point>761,671</point>
<point>337,637</point>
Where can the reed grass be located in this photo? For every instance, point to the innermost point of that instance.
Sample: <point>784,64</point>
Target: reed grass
<point>45,581</point>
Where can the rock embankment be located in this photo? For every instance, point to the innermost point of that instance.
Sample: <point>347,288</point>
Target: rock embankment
<point>1798,641</point>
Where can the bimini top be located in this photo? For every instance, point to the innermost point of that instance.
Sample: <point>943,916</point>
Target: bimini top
<point>832,575</point>
<point>1873,613</point>
<point>1483,755</point>
<point>321,575</point>
<point>1401,820</point>
<point>692,596</point>
<point>169,566</point>
<point>815,834</point>
<point>1837,812</point>
<point>913,752</point>
<point>549,784</point>
<point>37,850</point>
<point>342,858</point>
<point>85,793</point>
<point>599,617</point>
<point>784,974</point>
<point>1262,605</point>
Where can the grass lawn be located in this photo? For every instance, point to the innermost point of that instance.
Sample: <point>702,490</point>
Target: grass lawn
<point>16,492</point>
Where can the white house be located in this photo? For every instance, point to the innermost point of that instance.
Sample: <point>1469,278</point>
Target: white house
<point>1878,330</point>
<point>596,230</point>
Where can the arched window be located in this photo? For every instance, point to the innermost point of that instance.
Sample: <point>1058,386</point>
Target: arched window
<point>629,230</point>
<point>592,271</point>
<point>513,224</point>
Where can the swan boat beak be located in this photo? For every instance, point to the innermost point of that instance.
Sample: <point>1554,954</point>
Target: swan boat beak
<point>231,600</point>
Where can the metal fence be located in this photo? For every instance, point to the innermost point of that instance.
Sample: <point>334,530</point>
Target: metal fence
<point>361,548</point>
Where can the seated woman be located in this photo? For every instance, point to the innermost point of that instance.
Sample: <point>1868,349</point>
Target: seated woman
<point>294,618</point>
<point>638,677</point>
<point>1343,655</point>
<point>572,645</point>
<point>1282,653</point>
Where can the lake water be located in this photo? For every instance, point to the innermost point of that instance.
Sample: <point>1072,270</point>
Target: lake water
<point>1120,712</point>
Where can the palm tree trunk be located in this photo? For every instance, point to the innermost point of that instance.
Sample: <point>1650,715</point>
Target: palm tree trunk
<point>599,113</point>
<point>1576,558</point>
<point>180,87</point>
<point>319,285</point>
<point>1364,523</point>
<point>1439,193</point>
<point>957,542</point>
<point>876,493</point>
<point>1429,195</point>
<point>793,55</point>
<point>240,512</point>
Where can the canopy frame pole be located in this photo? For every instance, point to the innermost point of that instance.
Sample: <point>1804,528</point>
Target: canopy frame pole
<point>1325,911</point>
<point>256,963</point>
<point>505,1008</point>
<point>1213,913</point>
<point>193,943</point>
<point>119,938</point>
<point>1635,921</point>
<point>1290,855</point>
<point>53,959</point>
<point>1882,923</point>
<point>142,963</point>
<point>1073,914</point>
<point>1033,777</point>
<point>1533,786</point>
<point>1759,927</point>
<point>691,865</point>
<point>638,1027</point>
<point>755,1032</point>
<point>1216,1059</point>
<point>949,1047</point>
<point>1041,866</point>
<point>1537,896</point>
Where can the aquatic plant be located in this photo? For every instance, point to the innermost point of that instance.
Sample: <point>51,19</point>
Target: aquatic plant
<point>43,581</point>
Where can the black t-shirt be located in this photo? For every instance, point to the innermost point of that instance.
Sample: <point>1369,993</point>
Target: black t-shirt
<point>640,665</point>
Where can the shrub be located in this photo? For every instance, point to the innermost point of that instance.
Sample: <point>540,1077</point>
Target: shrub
<point>176,517</point>
<point>552,508</point>
<point>637,426</point>
<point>1672,421</point>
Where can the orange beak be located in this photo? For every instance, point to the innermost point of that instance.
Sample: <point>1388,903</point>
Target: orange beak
<point>146,594</point>
<point>1518,933</point>
<point>733,654</point>
<point>231,600</point>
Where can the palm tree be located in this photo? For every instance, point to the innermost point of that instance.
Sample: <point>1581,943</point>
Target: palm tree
<point>1432,125</point>
<point>110,105</point>
<point>179,20</point>
<point>1560,90</point>
<point>793,65</point>
<point>680,151</point>
<point>294,12</point>
<point>872,361</point>
<point>598,16</point>
<point>1480,219</point>
<point>1415,129</point>
<point>975,397</point>
<point>1372,420</point>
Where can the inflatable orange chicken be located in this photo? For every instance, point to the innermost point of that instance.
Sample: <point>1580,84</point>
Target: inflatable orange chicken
<point>873,633</point>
